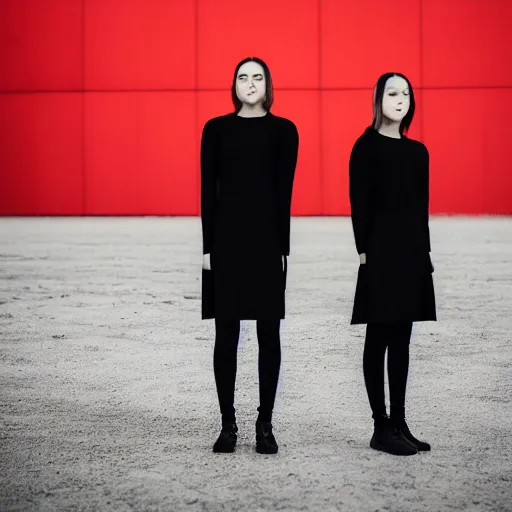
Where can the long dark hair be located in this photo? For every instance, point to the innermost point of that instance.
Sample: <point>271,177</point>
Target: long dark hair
<point>377,103</point>
<point>269,88</point>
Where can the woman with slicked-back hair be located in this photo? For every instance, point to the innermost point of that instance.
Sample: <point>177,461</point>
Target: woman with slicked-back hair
<point>248,160</point>
<point>389,196</point>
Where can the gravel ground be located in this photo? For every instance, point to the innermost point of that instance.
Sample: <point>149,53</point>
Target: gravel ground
<point>107,396</point>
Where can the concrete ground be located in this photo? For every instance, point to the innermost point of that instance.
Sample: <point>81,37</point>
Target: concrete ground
<point>107,396</point>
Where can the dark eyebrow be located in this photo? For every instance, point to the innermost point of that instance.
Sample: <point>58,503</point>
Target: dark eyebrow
<point>245,75</point>
<point>396,89</point>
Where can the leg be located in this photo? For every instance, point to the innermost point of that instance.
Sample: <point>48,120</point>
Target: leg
<point>227,333</point>
<point>375,346</point>
<point>386,437</point>
<point>269,364</point>
<point>398,369</point>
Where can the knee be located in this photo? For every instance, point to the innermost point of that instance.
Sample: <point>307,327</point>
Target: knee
<point>227,334</point>
<point>377,337</point>
<point>402,335</point>
<point>269,340</point>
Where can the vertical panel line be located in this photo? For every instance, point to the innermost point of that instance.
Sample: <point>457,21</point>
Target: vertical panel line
<point>82,92</point>
<point>320,113</point>
<point>422,110</point>
<point>196,106</point>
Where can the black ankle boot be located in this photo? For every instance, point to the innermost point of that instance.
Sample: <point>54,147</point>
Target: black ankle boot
<point>226,441</point>
<point>421,446</point>
<point>387,437</point>
<point>265,440</point>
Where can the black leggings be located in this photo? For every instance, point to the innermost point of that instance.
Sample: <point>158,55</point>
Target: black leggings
<point>396,338</point>
<point>227,333</point>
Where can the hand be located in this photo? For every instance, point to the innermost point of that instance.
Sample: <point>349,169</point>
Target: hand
<point>362,258</point>
<point>206,262</point>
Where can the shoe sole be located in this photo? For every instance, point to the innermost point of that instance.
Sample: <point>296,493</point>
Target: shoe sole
<point>216,450</point>
<point>418,447</point>
<point>422,449</point>
<point>380,448</point>
<point>266,451</point>
<point>220,449</point>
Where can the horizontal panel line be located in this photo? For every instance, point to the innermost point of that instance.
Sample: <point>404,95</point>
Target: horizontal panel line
<point>284,89</point>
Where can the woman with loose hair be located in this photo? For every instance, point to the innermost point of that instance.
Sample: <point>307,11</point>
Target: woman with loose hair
<point>248,160</point>
<point>389,196</point>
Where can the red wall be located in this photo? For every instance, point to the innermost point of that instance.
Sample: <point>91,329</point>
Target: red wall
<point>102,101</point>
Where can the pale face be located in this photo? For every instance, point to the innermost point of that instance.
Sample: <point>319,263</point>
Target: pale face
<point>250,83</point>
<point>396,100</point>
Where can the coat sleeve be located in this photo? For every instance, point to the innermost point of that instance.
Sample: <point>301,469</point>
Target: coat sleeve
<point>287,163</point>
<point>208,184</point>
<point>426,195</point>
<point>359,192</point>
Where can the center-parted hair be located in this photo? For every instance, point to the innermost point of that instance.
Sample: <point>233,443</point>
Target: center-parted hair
<point>269,88</point>
<point>377,103</point>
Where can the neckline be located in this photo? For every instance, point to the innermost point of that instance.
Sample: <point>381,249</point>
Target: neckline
<point>402,137</point>
<point>252,118</point>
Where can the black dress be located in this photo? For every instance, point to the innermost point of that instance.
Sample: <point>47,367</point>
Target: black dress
<point>247,174</point>
<point>389,196</point>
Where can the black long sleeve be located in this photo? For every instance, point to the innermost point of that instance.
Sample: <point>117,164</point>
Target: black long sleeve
<point>287,164</point>
<point>359,193</point>
<point>208,184</point>
<point>426,202</point>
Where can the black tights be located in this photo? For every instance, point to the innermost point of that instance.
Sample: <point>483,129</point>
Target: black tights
<point>227,333</point>
<point>396,338</point>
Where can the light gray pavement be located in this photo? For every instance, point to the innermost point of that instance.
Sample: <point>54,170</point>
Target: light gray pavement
<point>107,396</point>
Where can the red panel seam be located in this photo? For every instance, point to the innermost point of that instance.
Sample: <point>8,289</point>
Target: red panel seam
<point>84,174</point>
<point>320,112</point>
<point>196,107</point>
<point>421,88</point>
<point>284,89</point>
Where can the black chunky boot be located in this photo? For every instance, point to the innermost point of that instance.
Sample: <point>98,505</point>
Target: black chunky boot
<point>387,437</point>
<point>421,446</point>
<point>265,440</point>
<point>226,441</point>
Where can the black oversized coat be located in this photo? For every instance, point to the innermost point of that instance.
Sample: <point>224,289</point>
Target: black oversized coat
<point>247,174</point>
<point>389,196</point>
